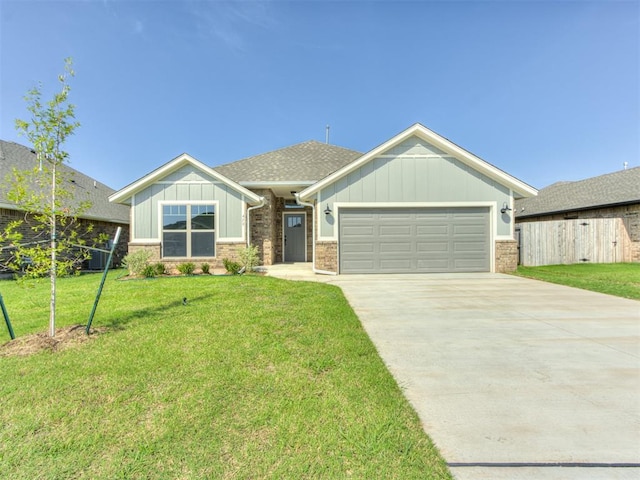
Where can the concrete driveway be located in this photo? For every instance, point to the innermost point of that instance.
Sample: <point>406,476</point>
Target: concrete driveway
<point>512,378</point>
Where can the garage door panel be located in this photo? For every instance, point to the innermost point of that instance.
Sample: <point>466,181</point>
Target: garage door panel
<point>393,215</point>
<point>395,240</point>
<point>468,265</point>
<point>432,247</point>
<point>394,247</point>
<point>358,230</point>
<point>359,267</point>
<point>432,265</point>
<point>355,248</point>
<point>394,230</point>
<point>394,266</point>
<point>432,230</point>
<point>469,229</point>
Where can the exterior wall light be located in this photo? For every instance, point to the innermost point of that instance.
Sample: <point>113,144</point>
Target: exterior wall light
<point>327,211</point>
<point>505,208</point>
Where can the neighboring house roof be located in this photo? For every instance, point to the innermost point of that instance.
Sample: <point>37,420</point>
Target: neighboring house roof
<point>13,155</point>
<point>303,163</point>
<point>616,188</point>
<point>519,188</point>
<point>125,194</point>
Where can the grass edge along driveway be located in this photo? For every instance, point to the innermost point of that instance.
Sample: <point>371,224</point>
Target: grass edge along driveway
<point>254,377</point>
<point>619,279</point>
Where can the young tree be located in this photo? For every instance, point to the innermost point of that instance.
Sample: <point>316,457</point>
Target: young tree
<point>47,195</point>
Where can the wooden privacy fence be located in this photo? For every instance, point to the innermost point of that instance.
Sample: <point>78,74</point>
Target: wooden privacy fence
<point>593,240</point>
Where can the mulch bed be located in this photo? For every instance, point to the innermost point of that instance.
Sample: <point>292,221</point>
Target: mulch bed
<point>65,337</point>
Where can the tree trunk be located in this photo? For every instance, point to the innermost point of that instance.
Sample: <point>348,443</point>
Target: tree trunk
<point>53,271</point>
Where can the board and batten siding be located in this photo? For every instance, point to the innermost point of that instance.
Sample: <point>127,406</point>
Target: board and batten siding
<point>585,240</point>
<point>188,184</point>
<point>415,172</point>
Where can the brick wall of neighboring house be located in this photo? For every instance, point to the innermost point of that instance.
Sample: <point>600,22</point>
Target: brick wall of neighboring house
<point>630,214</point>
<point>506,256</point>
<point>327,256</point>
<point>99,227</point>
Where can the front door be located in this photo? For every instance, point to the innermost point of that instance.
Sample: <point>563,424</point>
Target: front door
<point>295,237</point>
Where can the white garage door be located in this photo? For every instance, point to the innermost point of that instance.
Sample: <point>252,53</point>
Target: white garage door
<point>414,240</point>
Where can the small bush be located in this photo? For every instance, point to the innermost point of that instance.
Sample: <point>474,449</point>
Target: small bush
<point>160,268</point>
<point>136,262</point>
<point>149,271</point>
<point>231,266</point>
<point>205,268</point>
<point>249,258</point>
<point>186,268</point>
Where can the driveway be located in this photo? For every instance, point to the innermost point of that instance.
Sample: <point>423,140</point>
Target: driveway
<point>511,377</point>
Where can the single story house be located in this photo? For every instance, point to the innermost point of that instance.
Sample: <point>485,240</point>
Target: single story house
<point>416,203</point>
<point>105,216</point>
<point>610,196</point>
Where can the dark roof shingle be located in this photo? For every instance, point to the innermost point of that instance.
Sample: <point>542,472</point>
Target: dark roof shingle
<point>13,155</point>
<point>304,162</point>
<point>616,188</point>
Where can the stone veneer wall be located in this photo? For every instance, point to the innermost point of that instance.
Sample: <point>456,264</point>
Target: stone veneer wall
<point>327,256</point>
<point>261,225</point>
<point>506,256</point>
<point>277,230</point>
<point>223,250</point>
<point>630,215</point>
<point>266,228</point>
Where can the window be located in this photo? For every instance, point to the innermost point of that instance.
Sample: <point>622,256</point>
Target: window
<point>188,231</point>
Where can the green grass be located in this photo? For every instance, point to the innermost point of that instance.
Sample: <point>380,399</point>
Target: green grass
<point>620,279</point>
<point>255,378</point>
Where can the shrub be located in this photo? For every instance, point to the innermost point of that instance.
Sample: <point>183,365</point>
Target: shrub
<point>186,268</point>
<point>231,266</point>
<point>249,258</point>
<point>160,268</point>
<point>205,268</point>
<point>149,271</point>
<point>136,262</point>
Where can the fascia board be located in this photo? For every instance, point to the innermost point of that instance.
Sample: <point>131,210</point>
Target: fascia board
<point>436,140</point>
<point>292,183</point>
<point>122,195</point>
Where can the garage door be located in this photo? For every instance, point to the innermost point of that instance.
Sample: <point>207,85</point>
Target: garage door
<point>414,240</point>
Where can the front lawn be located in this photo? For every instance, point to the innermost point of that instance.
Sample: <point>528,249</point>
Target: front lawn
<point>254,377</point>
<point>620,279</point>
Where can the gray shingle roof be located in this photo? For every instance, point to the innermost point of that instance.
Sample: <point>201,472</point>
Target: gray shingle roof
<point>617,188</point>
<point>304,162</point>
<point>13,155</point>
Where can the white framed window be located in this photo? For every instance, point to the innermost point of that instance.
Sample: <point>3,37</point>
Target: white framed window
<point>188,230</point>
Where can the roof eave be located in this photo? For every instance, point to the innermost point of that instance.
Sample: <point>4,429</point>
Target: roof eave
<point>578,209</point>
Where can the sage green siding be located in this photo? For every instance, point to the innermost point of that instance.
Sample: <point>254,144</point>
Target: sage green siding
<point>188,184</point>
<point>414,171</point>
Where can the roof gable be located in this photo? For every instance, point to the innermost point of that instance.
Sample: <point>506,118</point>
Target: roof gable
<point>616,188</point>
<point>304,163</point>
<point>440,145</point>
<point>173,166</point>
<point>20,157</point>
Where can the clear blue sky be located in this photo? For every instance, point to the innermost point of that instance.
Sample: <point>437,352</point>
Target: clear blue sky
<point>545,90</point>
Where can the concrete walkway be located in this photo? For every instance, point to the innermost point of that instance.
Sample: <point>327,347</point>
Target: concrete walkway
<point>512,378</point>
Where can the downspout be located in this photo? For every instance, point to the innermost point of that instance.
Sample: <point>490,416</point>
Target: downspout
<point>313,236</point>
<point>260,205</point>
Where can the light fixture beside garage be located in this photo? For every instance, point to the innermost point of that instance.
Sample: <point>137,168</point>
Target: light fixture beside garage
<point>505,208</point>
<point>327,211</point>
